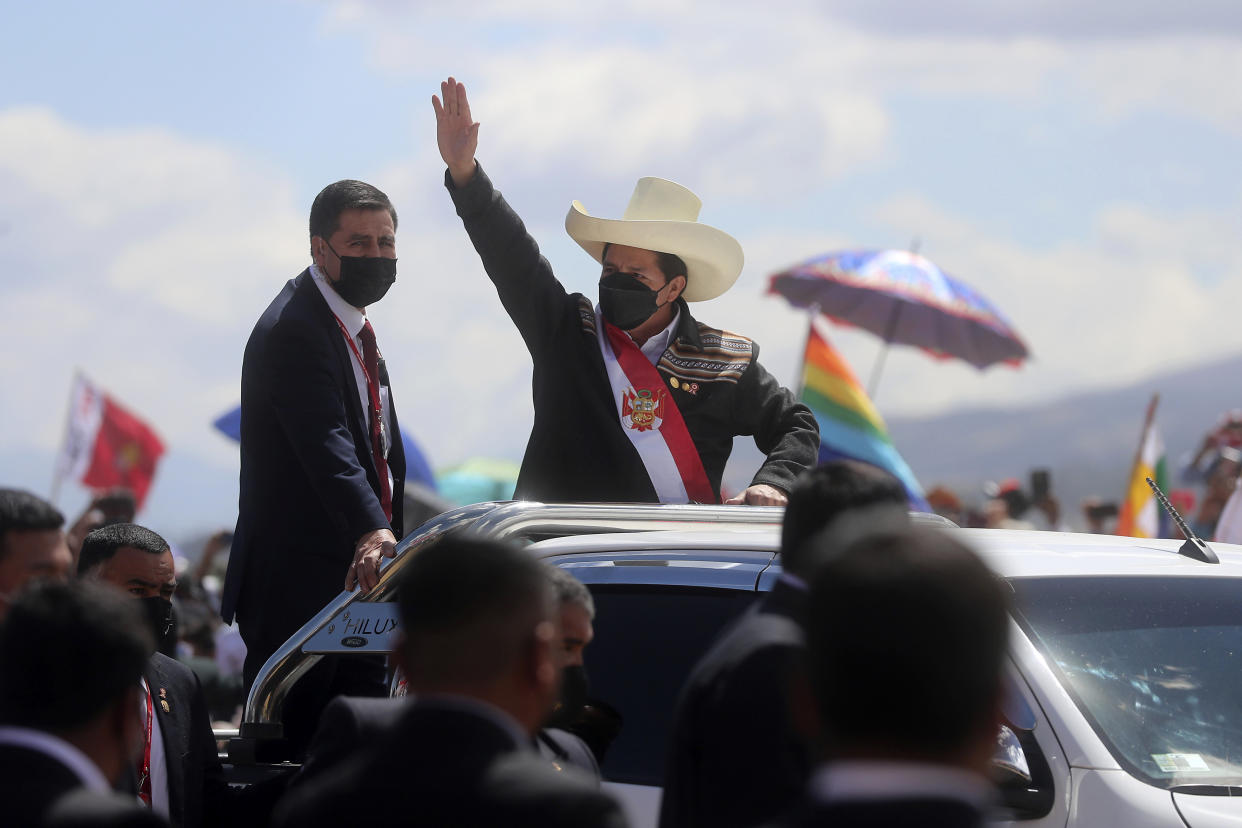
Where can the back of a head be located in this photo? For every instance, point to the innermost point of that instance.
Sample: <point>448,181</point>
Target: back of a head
<point>102,543</point>
<point>826,493</point>
<point>469,607</point>
<point>21,511</point>
<point>906,636</point>
<point>67,653</point>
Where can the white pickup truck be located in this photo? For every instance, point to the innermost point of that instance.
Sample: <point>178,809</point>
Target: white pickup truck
<point>1125,656</point>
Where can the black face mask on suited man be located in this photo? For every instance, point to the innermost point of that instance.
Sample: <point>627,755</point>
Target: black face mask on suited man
<point>158,612</point>
<point>364,279</point>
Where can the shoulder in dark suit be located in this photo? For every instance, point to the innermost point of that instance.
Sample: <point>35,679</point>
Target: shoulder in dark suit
<point>37,790</point>
<point>735,760</point>
<point>88,809</point>
<point>350,724</point>
<point>30,782</point>
<point>442,766</point>
<point>892,813</point>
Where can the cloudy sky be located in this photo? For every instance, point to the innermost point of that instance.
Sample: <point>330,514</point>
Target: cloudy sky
<point>1076,162</point>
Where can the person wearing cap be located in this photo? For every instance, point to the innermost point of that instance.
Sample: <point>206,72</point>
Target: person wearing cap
<point>634,399</point>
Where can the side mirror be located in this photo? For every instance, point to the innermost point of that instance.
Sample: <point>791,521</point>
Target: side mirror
<point>1009,765</point>
<point>1021,774</point>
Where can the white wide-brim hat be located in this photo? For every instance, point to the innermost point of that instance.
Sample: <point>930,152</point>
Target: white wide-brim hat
<point>663,216</point>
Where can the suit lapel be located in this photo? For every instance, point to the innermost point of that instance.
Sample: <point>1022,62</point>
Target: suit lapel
<point>353,405</point>
<point>174,731</point>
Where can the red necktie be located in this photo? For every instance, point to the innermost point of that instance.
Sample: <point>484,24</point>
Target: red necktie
<point>370,360</point>
<point>144,762</point>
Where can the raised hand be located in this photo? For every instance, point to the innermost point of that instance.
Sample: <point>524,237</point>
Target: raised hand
<point>456,133</point>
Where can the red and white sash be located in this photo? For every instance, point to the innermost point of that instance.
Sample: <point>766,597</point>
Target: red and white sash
<point>651,420</point>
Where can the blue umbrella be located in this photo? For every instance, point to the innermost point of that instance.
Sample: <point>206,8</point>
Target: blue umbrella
<point>417,469</point>
<point>902,297</point>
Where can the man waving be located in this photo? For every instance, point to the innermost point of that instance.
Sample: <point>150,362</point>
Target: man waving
<point>634,399</point>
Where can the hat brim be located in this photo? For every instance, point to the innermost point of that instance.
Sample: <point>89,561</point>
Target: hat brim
<point>713,258</point>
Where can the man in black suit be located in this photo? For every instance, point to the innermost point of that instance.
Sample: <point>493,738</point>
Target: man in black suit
<point>70,658</point>
<point>321,456</point>
<point>479,624</point>
<point>736,758</point>
<point>184,779</point>
<point>350,723</point>
<point>890,611</point>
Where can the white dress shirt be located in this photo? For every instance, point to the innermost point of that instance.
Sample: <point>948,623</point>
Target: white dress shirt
<point>353,320</point>
<point>885,781</point>
<point>654,347</point>
<point>88,772</point>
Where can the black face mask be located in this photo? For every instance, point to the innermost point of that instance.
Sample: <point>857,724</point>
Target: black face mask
<point>158,612</point>
<point>625,301</point>
<point>364,279</point>
<point>574,691</point>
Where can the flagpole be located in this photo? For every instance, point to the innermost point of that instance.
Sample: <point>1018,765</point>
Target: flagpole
<point>812,312</point>
<point>1147,421</point>
<point>1125,520</point>
<point>878,367</point>
<point>64,439</point>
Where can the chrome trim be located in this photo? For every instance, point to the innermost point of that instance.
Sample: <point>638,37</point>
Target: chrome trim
<point>933,520</point>
<point>265,702</point>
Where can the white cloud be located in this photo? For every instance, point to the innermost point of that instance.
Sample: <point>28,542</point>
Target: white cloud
<point>140,257</point>
<point>636,77</point>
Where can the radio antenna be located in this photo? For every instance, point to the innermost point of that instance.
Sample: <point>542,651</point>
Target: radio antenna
<point>1194,547</point>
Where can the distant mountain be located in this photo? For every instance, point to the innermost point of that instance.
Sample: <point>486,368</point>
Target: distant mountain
<point>1088,439</point>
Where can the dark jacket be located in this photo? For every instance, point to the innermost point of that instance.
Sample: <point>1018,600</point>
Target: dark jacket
<point>350,724</point>
<point>309,487</point>
<point>197,792</point>
<point>38,791</point>
<point>578,450</point>
<point>439,767</point>
<point>735,758</point>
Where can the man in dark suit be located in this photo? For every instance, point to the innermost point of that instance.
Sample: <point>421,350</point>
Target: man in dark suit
<point>736,758</point>
<point>184,780</point>
<point>933,614</point>
<point>321,457</point>
<point>348,724</point>
<point>478,620</point>
<point>70,658</point>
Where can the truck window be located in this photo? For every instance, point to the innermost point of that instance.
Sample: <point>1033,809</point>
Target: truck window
<point>647,639</point>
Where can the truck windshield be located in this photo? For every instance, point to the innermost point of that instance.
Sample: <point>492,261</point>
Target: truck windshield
<point>1154,664</point>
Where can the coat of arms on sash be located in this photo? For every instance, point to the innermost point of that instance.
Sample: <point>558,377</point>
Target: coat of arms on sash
<point>642,410</point>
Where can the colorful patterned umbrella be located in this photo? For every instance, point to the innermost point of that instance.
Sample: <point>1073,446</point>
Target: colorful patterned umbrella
<point>902,297</point>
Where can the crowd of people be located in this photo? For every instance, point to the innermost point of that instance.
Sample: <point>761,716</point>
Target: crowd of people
<point>1205,489</point>
<point>790,718</point>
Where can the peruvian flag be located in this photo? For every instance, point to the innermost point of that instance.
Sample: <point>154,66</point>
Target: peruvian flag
<point>105,444</point>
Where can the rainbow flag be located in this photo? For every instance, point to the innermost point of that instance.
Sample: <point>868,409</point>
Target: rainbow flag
<point>850,428</point>
<point>1141,516</point>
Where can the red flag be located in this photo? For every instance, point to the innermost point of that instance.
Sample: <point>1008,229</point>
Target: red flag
<point>107,444</point>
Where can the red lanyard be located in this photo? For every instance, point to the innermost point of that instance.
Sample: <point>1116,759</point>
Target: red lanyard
<point>372,384</point>
<point>144,773</point>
